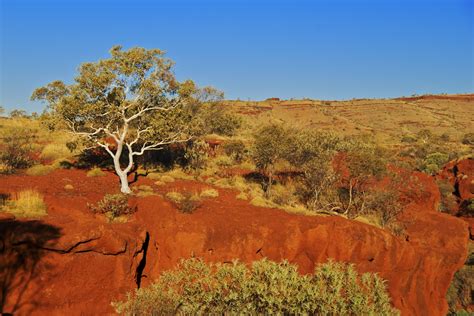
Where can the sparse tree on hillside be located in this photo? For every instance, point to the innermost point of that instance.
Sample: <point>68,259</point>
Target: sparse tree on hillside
<point>127,104</point>
<point>18,113</point>
<point>271,146</point>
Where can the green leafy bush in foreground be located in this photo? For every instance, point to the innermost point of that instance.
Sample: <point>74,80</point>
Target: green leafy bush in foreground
<point>266,288</point>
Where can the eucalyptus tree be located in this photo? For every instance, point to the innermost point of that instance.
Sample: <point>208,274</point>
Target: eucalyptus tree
<point>127,104</point>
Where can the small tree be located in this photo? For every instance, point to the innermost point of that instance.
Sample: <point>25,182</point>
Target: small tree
<point>18,113</point>
<point>127,104</point>
<point>270,146</point>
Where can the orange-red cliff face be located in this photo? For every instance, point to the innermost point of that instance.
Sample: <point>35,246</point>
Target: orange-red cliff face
<point>81,263</point>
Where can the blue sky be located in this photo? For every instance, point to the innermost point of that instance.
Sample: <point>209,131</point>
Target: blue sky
<point>327,49</point>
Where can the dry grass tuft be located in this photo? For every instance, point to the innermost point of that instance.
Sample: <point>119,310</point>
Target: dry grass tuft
<point>55,152</point>
<point>95,172</point>
<point>167,179</point>
<point>27,203</point>
<point>40,170</point>
<point>209,193</point>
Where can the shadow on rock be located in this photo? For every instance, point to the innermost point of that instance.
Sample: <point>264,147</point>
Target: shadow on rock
<point>22,246</point>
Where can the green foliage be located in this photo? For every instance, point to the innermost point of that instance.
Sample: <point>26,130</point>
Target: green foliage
<point>235,149</point>
<point>196,155</point>
<point>16,144</point>
<point>428,152</point>
<point>113,206</point>
<point>217,119</point>
<point>18,114</point>
<point>131,99</point>
<point>267,288</point>
<point>270,146</point>
<point>460,293</point>
<point>434,162</point>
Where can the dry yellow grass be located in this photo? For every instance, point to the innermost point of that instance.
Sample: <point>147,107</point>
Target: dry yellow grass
<point>55,151</point>
<point>95,172</point>
<point>40,170</point>
<point>27,203</point>
<point>209,193</point>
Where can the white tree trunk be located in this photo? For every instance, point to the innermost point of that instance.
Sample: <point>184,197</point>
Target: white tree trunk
<point>124,188</point>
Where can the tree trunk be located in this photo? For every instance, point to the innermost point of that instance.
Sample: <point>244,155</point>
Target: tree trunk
<point>124,188</point>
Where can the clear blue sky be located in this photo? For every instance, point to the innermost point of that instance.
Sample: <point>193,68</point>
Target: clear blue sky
<point>327,49</point>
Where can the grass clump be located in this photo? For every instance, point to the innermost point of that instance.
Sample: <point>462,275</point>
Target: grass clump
<point>242,196</point>
<point>54,152</point>
<point>27,203</point>
<point>209,193</point>
<point>68,187</point>
<point>186,203</point>
<point>167,179</point>
<point>144,190</point>
<point>113,206</point>
<point>95,172</point>
<point>40,170</point>
<point>266,288</point>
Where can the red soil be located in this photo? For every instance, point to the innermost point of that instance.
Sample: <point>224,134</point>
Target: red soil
<point>82,263</point>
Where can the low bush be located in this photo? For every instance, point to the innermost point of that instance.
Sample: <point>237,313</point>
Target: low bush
<point>16,144</point>
<point>95,172</point>
<point>460,293</point>
<point>28,203</point>
<point>217,119</point>
<point>236,150</point>
<point>196,155</point>
<point>434,162</point>
<point>266,288</point>
<point>40,170</point>
<point>113,206</point>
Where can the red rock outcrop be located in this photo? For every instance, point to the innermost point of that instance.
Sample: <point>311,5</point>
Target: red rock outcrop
<point>86,263</point>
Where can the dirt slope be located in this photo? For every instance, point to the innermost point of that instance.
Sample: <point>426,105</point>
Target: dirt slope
<point>81,263</point>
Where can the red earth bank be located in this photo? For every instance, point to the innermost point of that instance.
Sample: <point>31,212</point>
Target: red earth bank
<point>80,263</point>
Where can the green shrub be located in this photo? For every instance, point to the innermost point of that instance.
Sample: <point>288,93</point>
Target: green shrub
<point>16,149</point>
<point>267,288</point>
<point>235,149</point>
<point>196,155</point>
<point>113,206</point>
<point>434,162</point>
<point>217,119</point>
<point>460,293</point>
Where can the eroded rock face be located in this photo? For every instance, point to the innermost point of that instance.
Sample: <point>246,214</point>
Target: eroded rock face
<point>418,267</point>
<point>82,263</point>
<point>460,174</point>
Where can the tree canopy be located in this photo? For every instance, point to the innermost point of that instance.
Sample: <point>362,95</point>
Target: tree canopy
<point>127,104</point>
